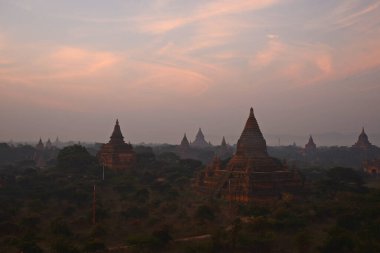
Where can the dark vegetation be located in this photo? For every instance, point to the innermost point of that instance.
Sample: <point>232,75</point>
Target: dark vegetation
<point>324,157</point>
<point>149,208</point>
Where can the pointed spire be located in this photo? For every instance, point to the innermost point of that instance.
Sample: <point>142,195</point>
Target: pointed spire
<point>200,134</point>
<point>40,145</point>
<point>251,141</point>
<point>310,146</point>
<point>200,141</point>
<point>223,142</point>
<point>48,144</point>
<point>185,143</point>
<point>117,136</point>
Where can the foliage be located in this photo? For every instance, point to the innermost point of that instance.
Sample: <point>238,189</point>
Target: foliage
<point>75,157</point>
<point>204,213</point>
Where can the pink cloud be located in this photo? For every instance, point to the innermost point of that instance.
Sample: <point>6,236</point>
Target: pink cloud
<point>266,56</point>
<point>71,61</point>
<point>62,63</point>
<point>205,11</point>
<point>163,79</point>
<point>360,55</point>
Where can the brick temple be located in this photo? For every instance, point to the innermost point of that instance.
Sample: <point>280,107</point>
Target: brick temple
<point>251,174</point>
<point>116,154</point>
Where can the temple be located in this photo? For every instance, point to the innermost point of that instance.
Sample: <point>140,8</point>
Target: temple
<point>224,151</point>
<point>310,146</point>
<point>116,154</point>
<point>251,174</point>
<point>39,157</point>
<point>363,142</point>
<point>200,141</point>
<point>185,143</point>
<point>48,144</point>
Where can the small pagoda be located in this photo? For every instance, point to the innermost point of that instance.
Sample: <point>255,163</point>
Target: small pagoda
<point>363,142</point>
<point>251,174</point>
<point>116,154</point>
<point>310,146</point>
<point>224,151</point>
<point>185,142</point>
<point>48,144</point>
<point>39,157</point>
<point>200,141</point>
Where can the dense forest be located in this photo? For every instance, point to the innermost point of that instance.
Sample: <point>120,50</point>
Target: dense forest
<point>154,208</point>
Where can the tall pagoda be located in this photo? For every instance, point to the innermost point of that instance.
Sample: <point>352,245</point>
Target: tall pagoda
<point>200,141</point>
<point>310,146</point>
<point>363,142</point>
<point>116,154</point>
<point>251,174</point>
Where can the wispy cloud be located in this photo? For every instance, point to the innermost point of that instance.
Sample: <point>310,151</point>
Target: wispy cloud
<point>351,12</point>
<point>72,61</point>
<point>272,50</point>
<point>159,25</point>
<point>61,63</point>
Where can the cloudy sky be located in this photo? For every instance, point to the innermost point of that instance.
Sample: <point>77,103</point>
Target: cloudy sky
<point>165,67</point>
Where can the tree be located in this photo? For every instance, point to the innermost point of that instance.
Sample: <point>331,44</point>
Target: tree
<point>344,177</point>
<point>75,157</point>
<point>204,213</point>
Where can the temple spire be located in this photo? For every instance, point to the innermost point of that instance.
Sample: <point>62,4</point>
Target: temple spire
<point>117,136</point>
<point>310,146</point>
<point>363,142</point>
<point>224,142</point>
<point>200,135</point>
<point>40,145</point>
<point>251,141</point>
<point>185,143</point>
<point>200,141</point>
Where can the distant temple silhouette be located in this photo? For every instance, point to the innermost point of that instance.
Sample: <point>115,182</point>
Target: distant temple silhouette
<point>251,174</point>
<point>39,157</point>
<point>185,143</point>
<point>200,141</point>
<point>363,142</point>
<point>310,146</point>
<point>116,154</point>
<point>224,150</point>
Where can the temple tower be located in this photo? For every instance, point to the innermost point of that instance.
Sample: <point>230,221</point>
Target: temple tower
<point>48,144</point>
<point>251,174</point>
<point>39,157</point>
<point>200,141</point>
<point>185,143</point>
<point>224,143</point>
<point>116,154</point>
<point>310,146</point>
<point>363,142</point>
<point>251,141</point>
<point>224,151</point>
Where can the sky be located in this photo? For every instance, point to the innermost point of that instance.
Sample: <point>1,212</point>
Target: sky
<point>165,68</point>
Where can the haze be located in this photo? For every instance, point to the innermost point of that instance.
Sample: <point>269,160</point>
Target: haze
<point>165,67</point>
